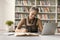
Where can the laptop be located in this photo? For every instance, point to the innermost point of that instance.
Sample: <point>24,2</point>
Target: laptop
<point>49,29</point>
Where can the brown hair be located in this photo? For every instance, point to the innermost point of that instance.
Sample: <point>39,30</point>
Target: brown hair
<point>34,8</point>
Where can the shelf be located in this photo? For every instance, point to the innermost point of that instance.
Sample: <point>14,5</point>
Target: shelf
<point>47,13</point>
<point>46,5</point>
<point>36,5</point>
<point>47,19</point>
<point>22,12</point>
<point>58,27</point>
<point>38,13</point>
<point>17,18</point>
<point>40,19</point>
<point>58,6</point>
<point>58,12</point>
<point>58,19</point>
<point>23,5</point>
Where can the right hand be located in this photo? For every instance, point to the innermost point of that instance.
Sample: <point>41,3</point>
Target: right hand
<point>22,30</point>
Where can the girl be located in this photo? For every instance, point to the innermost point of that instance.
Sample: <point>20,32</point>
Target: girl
<point>31,23</point>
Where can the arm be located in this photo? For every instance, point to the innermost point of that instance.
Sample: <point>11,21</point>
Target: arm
<point>20,25</point>
<point>39,22</point>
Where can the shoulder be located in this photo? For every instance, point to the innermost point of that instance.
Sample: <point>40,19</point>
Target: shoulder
<point>23,19</point>
<point>37,19</point>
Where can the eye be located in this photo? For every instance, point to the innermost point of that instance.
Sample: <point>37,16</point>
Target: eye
<point>34,14</point>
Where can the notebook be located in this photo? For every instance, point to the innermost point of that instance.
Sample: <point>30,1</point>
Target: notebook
<point>26,34</point>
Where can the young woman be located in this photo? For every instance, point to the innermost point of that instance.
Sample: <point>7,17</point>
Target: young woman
<point>31,23</point>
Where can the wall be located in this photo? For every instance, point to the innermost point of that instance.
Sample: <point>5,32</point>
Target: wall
<point>1,13</point>
<point>7,10</point>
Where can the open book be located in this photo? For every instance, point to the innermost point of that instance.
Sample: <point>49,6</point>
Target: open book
<point>26,34</point>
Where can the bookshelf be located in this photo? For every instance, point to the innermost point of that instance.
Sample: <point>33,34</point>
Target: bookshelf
<point>49,10</point>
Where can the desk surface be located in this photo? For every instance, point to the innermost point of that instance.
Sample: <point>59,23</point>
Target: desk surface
<point>5,36</point>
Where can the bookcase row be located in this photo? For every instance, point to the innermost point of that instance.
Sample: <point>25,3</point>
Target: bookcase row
<point>35,2</point>
<point>41,9</point>
<point>43,22</point>
<point>43,16</point>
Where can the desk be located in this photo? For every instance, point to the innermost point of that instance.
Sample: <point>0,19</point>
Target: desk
<point>4,36</point>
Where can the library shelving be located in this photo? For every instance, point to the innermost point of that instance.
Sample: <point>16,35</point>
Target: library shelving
<point>49,10</point>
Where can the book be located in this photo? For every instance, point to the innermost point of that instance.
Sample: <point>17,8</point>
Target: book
<point>52,9</point>
<point>16,15</point>
<point>26,9</point>
<point>41,9</point>
<point>46,9</point>
<point>18,2</point>
<point>25,2</point>
<point>58,16</point>
<point>58,9</point>
<point>17,9</point>
<point>38,2</point>
<point>44,16</point>
<point>30,2</point>
<point>26,34</point>
<point>47,2</point>
<point>26,16</point>
<point>58,2</point>
<point>16,23</point>
<point>39,16</point>
<point>19,16</point>
<point>44,2</point>
<point>58,24</point>
<point>51,16</point>
<point>22,16</point>
<point>52,2</point>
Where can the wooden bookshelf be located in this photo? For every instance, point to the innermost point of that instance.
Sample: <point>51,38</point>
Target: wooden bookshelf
<point>49,10</point>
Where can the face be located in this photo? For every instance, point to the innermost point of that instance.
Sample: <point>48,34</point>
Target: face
<point>32,14</point>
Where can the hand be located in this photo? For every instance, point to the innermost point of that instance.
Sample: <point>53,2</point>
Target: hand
<point>17,30</point>
<point>22,30</point>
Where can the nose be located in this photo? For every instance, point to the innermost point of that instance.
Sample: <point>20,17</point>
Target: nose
<point>33,16</point>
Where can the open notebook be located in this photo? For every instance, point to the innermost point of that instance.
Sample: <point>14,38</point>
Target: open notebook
<point>26,34</point>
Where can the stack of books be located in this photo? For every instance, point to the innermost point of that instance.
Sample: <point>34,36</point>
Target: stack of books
<point>22,9</point>
<point>58,16</point>
<point>16,23</point>
<point>51,16</point>
<point>16,15</point>
<point>25,2</point>
<point>58,2</point>
<point>58,10</point>
<point>46,2</point>
<point>46,9</point>
<point>44,16</point>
